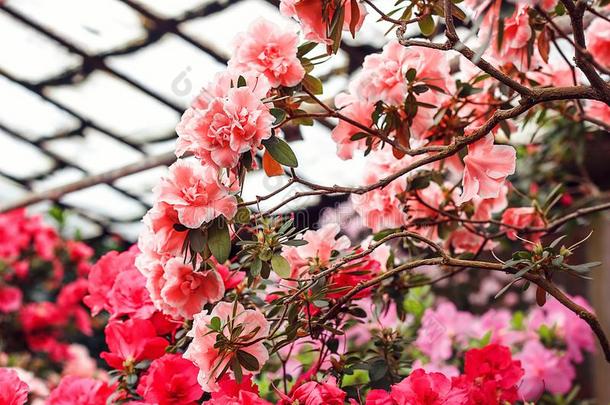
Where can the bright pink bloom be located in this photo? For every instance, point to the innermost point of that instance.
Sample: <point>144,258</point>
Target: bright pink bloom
<point>79,251</point>
<point>486,168</point>
<point>10,299</point>
<point>224,123</point>
<point>232,393</point>
<point>379,397</point>
<point>310,13</point>
<point>132,341</point>
<point>210,360</point>
<point>358,110</point>
<point>186,291</point>
<point>196,194</point>
<point>170,380</point>
<point>80,391</point>
<point>421,388</point>
<point>230,278</point>
<point>269,50</point>
<point>522,217</point>
<point>545,370</point>
<point>116,285</point>
<point>13,391</point>
<point>129,296</point>
<point>314,393</point>
<point>13,239</point>
<point>598,41</point>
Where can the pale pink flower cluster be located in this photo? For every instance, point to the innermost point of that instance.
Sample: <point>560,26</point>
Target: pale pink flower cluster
<point>210,360</point>
<point>270,51</point>
<point>383,79</point>
<point>226,121</point>
<point>317,252</point>
<point>486,168</point>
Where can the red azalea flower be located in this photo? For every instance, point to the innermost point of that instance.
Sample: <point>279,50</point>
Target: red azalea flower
<point>170,380</point>
<point>132,341</point>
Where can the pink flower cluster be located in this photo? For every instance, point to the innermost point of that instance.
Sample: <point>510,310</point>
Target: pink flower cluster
<point>549,369</point>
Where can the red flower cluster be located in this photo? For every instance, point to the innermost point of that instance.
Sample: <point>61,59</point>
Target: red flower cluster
<point>490,378</point>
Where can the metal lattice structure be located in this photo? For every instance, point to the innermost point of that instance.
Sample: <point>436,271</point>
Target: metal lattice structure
<point>112,80</point>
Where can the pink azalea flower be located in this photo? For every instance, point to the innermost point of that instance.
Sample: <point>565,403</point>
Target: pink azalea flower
<point>421,388</point>
<point>310,14</point>
<point>116,285</point>
<point>379,397</point>
<point>544,371</point>
<point>170,380</point>
<point>522,217</point>
<point>13,391</point>
<point>75,390</point>
<point>224,123</point>
<point>232,393</point>
<point>196,194</point>
<point>10,299</point>
<point>462,240</point>
<point>486,168</point>
<point>598,41</point>
<point>359,111</point>
<point>269,50</point>
<point>79,363</point>
<point>212,360</point>
<point>574,331</point>
<point>516,35</point>
<point>160,236</point>
<point>383,74</point>
<point>322,242</point>
<point>186,291</point>
<point>132,341</point>
<point>440,328</point>
<point>314,393</point>
<point>598,110</point>
<point>380,208</point>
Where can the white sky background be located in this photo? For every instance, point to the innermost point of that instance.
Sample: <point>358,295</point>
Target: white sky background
<point>170,67</point>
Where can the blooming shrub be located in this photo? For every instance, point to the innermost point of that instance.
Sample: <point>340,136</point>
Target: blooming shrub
<point>222,302</point>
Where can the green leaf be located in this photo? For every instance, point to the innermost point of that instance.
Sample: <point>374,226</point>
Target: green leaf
<point>305,48</point>
<point>359,135</point>
<point>241,81</point>
<point>295,242</point>
<point>426,25</point>
<point>248,361</point>
<point>197,240</point>
<point>278,114</point>
<point>410,75</point>
<point>219,240</point>
<point>281,151</point>
<point>313,84</point>
<point>215,323</point>
<point>378,369</point>
<point>280,266</point>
